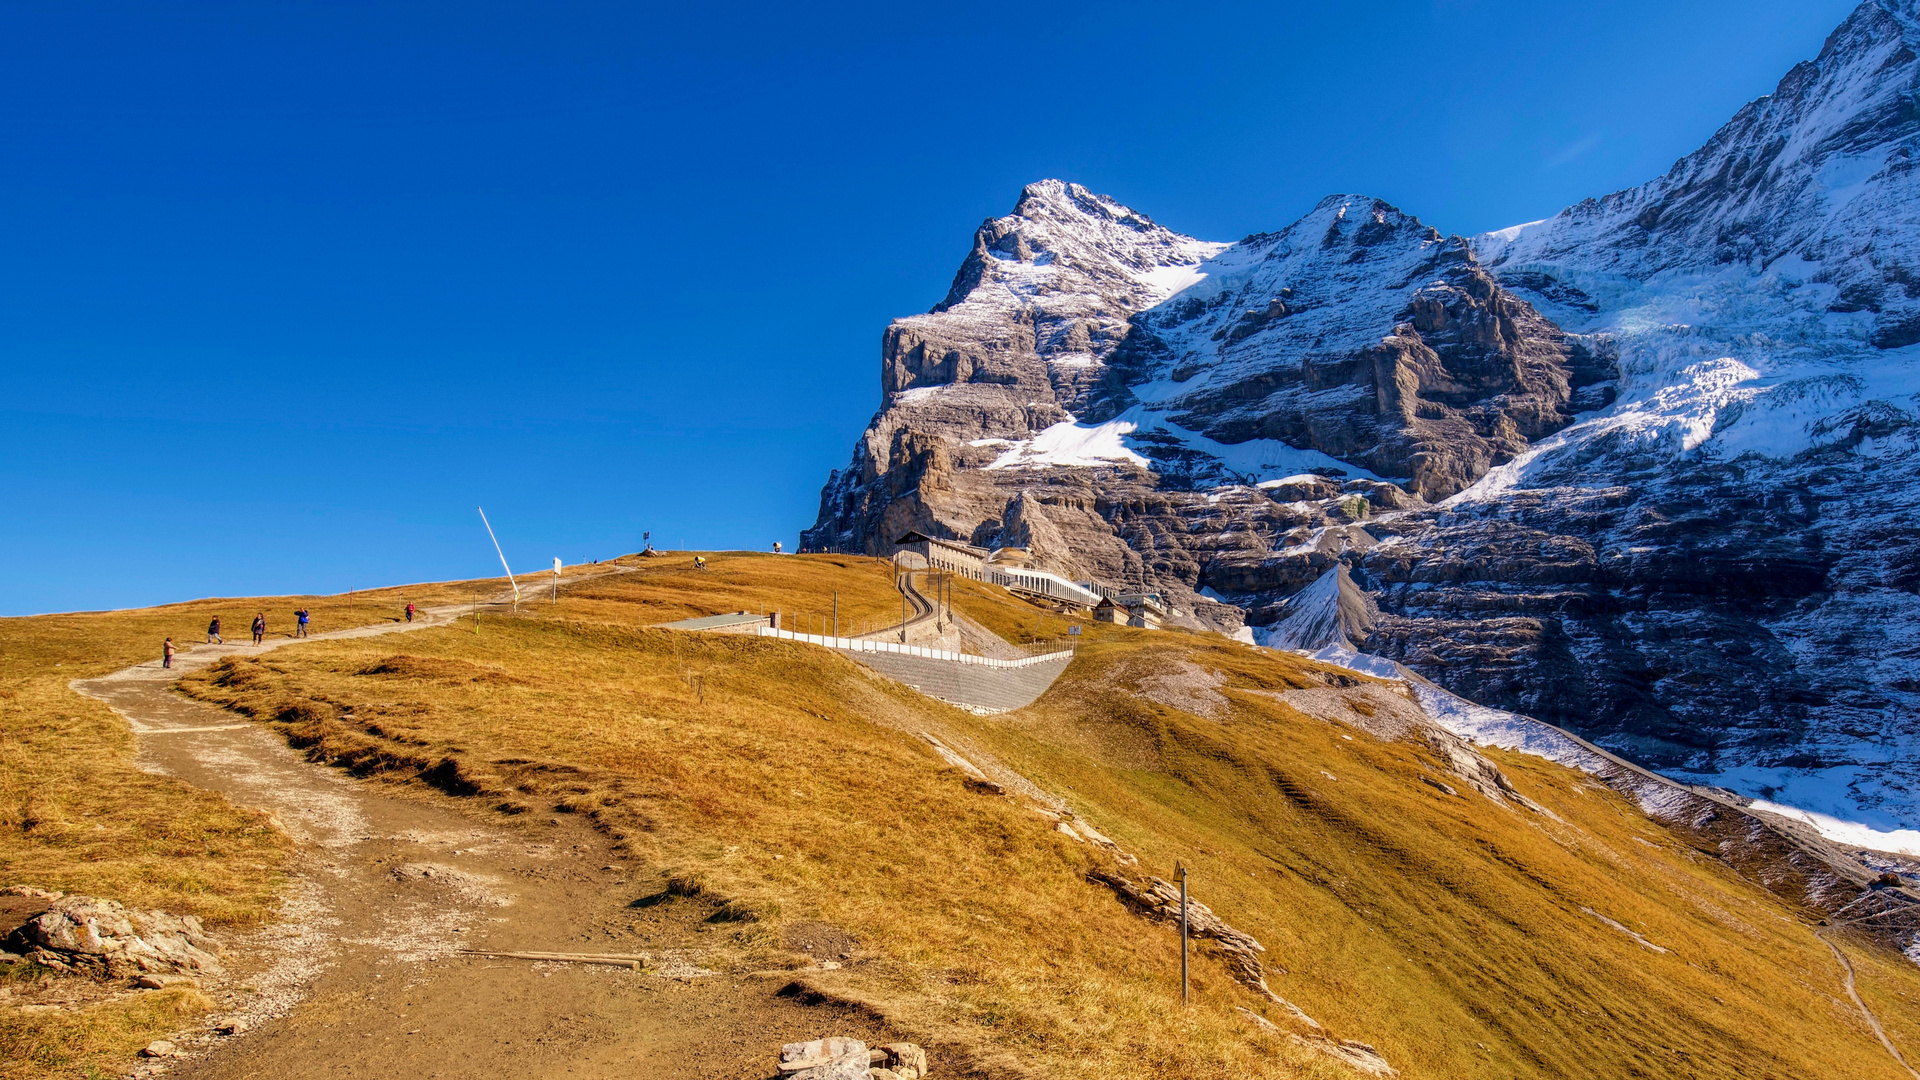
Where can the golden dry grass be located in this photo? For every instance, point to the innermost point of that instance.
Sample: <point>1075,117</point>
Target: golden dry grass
<point>93,1042</point>
<point>77,815</point>
<point>1432,925</point>
<point>802,588</point>
<point>1450,932</point>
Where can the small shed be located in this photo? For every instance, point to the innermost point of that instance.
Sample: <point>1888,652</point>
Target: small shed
<point>1145,611</point>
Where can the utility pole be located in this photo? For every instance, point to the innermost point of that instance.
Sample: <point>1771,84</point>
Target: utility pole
<point>836,613</point>
<point>1185,998</point>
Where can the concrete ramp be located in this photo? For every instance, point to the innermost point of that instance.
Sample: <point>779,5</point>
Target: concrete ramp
<point>979,683</point>
<point>970,686</point>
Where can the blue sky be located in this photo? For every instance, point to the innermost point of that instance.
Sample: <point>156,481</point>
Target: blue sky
<point>287,289</point>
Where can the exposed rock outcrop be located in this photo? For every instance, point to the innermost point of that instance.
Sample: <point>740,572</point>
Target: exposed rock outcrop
<point>102,938</point>
<point>825,1059</point>
<point>1159,900</point>
<point>841,1058</point>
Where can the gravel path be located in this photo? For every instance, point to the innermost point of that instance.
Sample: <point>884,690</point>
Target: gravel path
<point>367,974</point>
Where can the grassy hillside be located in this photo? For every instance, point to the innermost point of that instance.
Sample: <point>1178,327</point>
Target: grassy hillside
<point>75,812</point>
<point>1460,937</point>
<point>77,815</point>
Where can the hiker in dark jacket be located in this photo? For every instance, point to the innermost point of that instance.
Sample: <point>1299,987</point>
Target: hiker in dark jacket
<point>213,632</point>
<point>259,627</point>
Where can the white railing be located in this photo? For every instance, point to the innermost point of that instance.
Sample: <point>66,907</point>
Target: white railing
<point>863,645</point>
<point>1042,583</point>
<point>1034,582</point>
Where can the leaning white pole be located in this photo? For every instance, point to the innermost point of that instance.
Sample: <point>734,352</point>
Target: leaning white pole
<point>502,554</point>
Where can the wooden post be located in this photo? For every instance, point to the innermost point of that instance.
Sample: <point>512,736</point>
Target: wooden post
<point>1185,997</point>
<point>836,613</point>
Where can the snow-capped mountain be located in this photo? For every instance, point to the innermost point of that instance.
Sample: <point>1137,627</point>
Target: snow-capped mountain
<point>1081,342</point>
<point>1362,333</point>
<point>1644,469</point>
<point>1038,305</point>
<point>1736,584</point>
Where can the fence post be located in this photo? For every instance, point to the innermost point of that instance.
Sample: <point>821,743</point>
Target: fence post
<point>1185,999</point>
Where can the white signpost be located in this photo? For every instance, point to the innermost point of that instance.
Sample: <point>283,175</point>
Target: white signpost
<point>556,580</point>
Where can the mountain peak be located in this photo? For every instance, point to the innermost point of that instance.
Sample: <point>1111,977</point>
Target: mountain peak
<point>1818,169</point>
<point>1065,200</point>
<point>1071,233</point>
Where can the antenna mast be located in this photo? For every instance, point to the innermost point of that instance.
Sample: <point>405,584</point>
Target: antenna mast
<point>502,554</point>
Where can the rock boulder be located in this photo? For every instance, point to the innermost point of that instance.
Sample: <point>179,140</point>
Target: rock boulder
<point>103,938</point>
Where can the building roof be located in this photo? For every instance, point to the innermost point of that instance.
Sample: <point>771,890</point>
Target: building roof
<point>1151,601</point>
<point>914,536</point>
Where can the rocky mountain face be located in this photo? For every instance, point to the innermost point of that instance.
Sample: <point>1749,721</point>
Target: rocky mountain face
<point>1644,469</point>
<point>1715,575</point>
<point>1359,332</point>
<point>1133,405</point>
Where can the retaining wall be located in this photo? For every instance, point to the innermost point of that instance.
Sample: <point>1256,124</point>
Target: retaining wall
<point>969,685</point>
<point>862,645</point>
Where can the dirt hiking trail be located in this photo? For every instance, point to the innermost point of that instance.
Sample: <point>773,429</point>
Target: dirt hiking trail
<point>368,974</point>
<point>1873,1022</point>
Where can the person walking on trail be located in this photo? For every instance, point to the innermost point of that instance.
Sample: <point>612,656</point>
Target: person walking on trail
<point>259,627</point>
<point>213,632</point>
<point>699,562</point>
<point>409,611</point>
<point>166,653</point>
<point>300,624</point>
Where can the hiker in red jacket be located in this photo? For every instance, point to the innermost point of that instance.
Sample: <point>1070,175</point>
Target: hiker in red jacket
<point>409,611</point>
